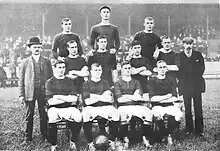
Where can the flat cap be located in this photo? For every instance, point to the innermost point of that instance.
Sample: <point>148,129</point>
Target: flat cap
<point>188,40</point>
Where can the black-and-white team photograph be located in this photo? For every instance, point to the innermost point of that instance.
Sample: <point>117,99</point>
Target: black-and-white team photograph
<point>107,75</point>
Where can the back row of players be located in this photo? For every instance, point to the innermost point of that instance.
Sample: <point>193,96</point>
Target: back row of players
<point>149,54</point>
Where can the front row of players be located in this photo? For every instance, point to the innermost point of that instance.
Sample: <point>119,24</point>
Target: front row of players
<point>122,106</point>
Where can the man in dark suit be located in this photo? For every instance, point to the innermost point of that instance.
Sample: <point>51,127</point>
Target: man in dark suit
<point>192,85</point>
<point>34,72</point>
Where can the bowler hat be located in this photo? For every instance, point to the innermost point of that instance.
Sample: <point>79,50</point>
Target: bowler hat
<point>188,40</point>
<point>34,41</point>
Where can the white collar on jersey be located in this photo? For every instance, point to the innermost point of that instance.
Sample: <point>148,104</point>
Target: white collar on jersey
<point>146,31</point>
<point>67,32</point>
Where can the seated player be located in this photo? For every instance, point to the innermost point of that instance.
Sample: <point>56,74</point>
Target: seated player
<point>104,57</point>
<point>132,106</point>
<point>98,101</point>
<point>76,66</point>
<point>141,68</point>
<point>163,94</point>
<point>62,100</point>
<point>170,57</point>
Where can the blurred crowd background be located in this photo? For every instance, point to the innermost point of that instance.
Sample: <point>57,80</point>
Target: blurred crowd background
<point>19,21</point>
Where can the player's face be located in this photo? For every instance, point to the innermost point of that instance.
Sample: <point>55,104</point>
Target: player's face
<point>96,72</point>
<point>137,50</point>
<point>67,25</point>
<point>166,43</point>
<point>36,49</point>
<point>102,43</point>
<point>73,49</point>
<point>105,14</point>
<point>126,70</point>
<point>59,70</point>
<point>188,46</point>
<point>148,24</point>
<point>162,68</point>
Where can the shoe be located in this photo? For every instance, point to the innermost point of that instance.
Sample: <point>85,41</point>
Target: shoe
<point>112,145</point>
<point>54,148</point>
<point>200,134</point>
<point>169,140</point>
<point>72,146</point>
<point>126,143</point>
<point>91,147</point>
<point>146,142</point>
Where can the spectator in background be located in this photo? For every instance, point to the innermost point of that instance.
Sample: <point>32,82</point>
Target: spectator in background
<point>2,76</point>
<point>59,46</point>
<point>34,72</point>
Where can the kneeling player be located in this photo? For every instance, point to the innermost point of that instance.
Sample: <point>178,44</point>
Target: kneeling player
<point>62,100</point>
<point>99,103</point>
<point>132,106</point>
<point>162,92</point>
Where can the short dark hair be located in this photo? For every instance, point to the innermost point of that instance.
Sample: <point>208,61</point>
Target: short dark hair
<point>135,42</point>
<point>149,18</point>
<point>161,61</point>
<point>105,6</point>
<point>65,20</point>
<point>125,63</point>
<point>164,37</point>
<point>95,65</point>
<point>101,37</point>
<point>71,42</point>
<point>55,62</point>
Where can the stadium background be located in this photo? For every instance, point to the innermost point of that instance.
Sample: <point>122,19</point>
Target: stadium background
<point>19,21</point>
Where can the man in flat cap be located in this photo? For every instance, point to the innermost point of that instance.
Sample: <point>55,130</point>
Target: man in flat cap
<point>192,85</point>
<point>34,72</point>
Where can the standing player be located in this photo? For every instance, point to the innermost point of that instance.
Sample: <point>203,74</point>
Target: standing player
<point>76,66</point>
<point>149,40</point>
<point>192,85</point>
<point>141,68</point>
<point>170,57</point>
<point>105,28</point>
<point>106,59</point>
<point>59,49</point>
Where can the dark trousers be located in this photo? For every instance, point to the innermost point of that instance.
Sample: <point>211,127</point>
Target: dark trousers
<point>197,101</point>
<point>73,126</point>
<point>113,129</point>
<point>30,105</point>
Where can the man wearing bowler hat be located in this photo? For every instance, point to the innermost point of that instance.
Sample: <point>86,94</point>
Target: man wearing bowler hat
<point>192,85</point>
<point>34,72</point>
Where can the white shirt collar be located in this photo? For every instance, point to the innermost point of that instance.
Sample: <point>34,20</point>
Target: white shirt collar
<point>146,31</point>
<point>36,57</point>
<point>188,54</point>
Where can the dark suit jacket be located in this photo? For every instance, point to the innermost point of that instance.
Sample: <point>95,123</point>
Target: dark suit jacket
<point>26,76</point>
<point>191,73</point>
